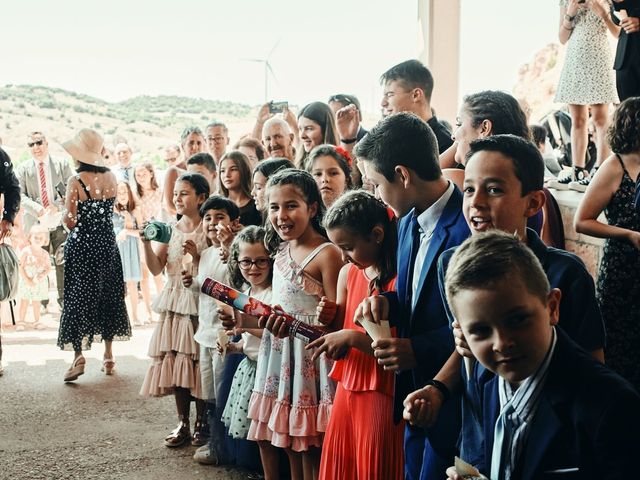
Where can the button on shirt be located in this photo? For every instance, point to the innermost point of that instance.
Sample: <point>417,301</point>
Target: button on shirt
<point>427,220</point>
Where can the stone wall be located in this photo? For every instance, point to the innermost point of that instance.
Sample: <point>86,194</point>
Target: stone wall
<point>589,249</point>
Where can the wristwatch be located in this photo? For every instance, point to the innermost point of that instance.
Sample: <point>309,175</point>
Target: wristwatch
<point>569,18</point>
<point>441,387</point>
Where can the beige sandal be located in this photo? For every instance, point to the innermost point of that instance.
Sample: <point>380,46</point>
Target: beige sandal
<point>108,366</point>
<point>76,369</point>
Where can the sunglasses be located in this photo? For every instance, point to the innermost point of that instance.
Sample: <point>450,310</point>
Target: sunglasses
<point>37,142</point>
<point>261,263</point>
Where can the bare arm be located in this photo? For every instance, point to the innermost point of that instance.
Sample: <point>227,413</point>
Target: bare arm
<point>167,192</point>
<point>71,204</point>
<point>566,27</point>
<point>263,116</point>
<point>330,263</point>
<point>596,198</point>
<point>155,260</point>
<point>448,157</point>
<point>601,8</point>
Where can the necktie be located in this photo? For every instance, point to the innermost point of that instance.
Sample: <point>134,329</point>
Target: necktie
<point>415,245</point>
<point>502,438</point>
<point>125,173</point>
<point>43,185</point>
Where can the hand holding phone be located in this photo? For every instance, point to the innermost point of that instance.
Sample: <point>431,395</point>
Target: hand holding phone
<point>277,107</point>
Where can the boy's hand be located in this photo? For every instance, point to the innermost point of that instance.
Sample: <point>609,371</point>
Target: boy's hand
<point>326,311</point>
<point>461,343</point>
<point>224,254</point>
<point>421,408</point>
<point>374,309</point>
<point>395,354</point>
<point>225,234</point>
<point>452,474</point>
<point>187,279</point>
<point>334,344</point>
<point>190,247</point>
<point>275,324</point>
<point>228,319</point>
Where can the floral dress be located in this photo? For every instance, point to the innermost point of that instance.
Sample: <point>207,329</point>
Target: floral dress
<point>618,286</point>
<point>34,267</point>
<point>587,74</point>
<point>172,348</point>
<point>292,397</point>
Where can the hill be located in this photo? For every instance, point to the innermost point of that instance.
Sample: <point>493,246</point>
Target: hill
<point>147,123</point>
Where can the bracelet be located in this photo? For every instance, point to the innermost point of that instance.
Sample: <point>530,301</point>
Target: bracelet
<point>444,390</point>
<point>567,28</point>
<point>348,140</point>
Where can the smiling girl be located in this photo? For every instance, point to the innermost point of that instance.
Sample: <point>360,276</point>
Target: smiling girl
<point>235,184</point>
<point>316,125</point>
<point>330,169</point>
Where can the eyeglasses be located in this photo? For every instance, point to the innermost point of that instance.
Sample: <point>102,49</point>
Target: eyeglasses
<point>260,263</point>
<point>37,142</point>
<point>216,139</point>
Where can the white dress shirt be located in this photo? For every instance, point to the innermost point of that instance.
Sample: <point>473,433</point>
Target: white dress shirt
<point>428,220</point>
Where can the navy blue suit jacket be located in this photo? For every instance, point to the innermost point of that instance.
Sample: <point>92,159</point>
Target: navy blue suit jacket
<point>586,425</point>
<point>426,325</point>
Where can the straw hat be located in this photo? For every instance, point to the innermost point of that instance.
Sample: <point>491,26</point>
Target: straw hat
<point>86,147</point>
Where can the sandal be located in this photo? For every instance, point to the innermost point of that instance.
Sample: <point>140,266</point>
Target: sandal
<point>179,436</point>
<point>76,369</point>
<point>108,366</point>
<point>200,434</point>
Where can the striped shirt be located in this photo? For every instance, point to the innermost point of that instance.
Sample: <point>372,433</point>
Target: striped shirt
<point>521,405</point>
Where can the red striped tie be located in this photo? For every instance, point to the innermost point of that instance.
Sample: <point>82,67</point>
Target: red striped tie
<point>43,185</point>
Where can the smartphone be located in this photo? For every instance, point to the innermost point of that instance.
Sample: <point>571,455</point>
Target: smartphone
<point>582,1</point>
<point>278,107</point>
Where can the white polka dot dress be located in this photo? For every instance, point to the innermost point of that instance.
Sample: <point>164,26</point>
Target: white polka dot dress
<point>94,308</point>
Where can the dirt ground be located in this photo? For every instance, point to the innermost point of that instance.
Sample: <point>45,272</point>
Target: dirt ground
<point>95,428</point>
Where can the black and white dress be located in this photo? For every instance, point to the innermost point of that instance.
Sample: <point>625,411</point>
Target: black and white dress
<point>94,308</point>
<point>587,76</point>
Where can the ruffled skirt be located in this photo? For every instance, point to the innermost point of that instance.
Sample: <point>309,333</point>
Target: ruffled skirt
<point>235,411</point>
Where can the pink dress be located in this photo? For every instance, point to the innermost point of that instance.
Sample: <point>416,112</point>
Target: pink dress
<point>172,348</point>
<point>292,396</point>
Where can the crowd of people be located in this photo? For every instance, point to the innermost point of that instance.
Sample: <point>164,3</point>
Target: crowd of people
<point>453,321</point>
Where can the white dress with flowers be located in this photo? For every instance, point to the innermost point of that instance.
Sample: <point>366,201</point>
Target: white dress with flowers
<point>172,348</point>
<point>292,397</point>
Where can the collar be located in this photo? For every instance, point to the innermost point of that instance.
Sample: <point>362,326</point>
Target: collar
<point>430,217</point>
<point>45,161</point>
<point>524,399</point>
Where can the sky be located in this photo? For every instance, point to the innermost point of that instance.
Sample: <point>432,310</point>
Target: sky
<point>120,49</point>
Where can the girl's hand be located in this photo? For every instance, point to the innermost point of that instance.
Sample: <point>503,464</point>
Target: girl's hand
<point>326,311</point>
<point>144,240</point>
<point>228,320</point>
<point>634,239</point>
<point>335,345</point>
<point>275,324</point>
<point>187,279</point>
<point>190,247</point>
<point>598,8</point>
<point>122,236</point>
<point>573,6</point>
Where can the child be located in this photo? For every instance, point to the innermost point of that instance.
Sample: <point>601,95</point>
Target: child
<point>261,174</point>
<point>330,168</point>
<point>127,219</point>
<point>35,266</point>
<point>361,426</point>
<point>235,184</point>
<point>503,188</point>
<point>205,165</point>
<point>400,157</point>
<point>541,416</point>
<point>250,264</point>
<point>215,211</point>
<point>292,398</point>
<point>172,347</point>
<point>612,190</point>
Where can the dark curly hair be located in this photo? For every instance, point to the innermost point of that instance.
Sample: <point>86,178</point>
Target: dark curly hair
<point>623,134</point>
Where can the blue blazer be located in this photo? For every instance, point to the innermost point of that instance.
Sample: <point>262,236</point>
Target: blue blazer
<point>586,425</point>
<point>426,325</point>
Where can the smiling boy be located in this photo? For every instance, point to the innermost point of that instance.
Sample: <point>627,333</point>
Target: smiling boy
<point>545,411</point>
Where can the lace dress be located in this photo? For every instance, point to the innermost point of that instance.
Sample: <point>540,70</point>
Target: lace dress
<point>292,397</point>
<point>172,348</point>
<point>587,75</point>
<point>618,286</point>
<point>94,308</point>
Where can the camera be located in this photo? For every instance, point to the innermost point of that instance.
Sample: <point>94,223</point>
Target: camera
<point>277,107</point>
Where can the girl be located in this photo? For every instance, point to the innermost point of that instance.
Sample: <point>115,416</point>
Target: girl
<point>260,176</point>
<point>618,286</point>
<point>361,424</point>
<point>192,142</point>
<point>250,264</point>
<point>172,347</point>
<point>330,169</point>
<point>127,219</point>
<point>316,125</point>
<point>292,397</point>
<point>150,197</point>
<point>235,184</point>
<point>35,265</point>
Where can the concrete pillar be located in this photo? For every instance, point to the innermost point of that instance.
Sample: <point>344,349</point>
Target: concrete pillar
<point>439,49</point>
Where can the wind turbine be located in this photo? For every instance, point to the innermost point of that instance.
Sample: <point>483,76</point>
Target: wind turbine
<point>267,68</point>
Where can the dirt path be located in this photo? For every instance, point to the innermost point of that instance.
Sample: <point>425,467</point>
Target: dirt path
<point>96,428</point>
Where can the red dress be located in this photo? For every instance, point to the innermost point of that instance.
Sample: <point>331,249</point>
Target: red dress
<point>361,441</point>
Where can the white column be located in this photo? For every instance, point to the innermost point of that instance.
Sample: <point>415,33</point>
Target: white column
<point>439,49</point>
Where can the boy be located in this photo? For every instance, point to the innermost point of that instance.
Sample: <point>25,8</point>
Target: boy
<point>545,411</point>
<point>400,158</point>
<point>502,189</point>
<point>217,213</point>
<point>204,164</point>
